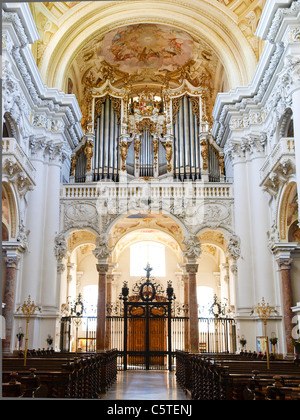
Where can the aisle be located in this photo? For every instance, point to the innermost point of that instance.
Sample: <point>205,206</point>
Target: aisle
<point>145,385</point>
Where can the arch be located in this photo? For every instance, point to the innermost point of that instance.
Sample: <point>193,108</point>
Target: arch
<point>140,235</point>
<point>285,125</point>
<point>204,21</point>
<point>9,210</point>
<point>179,229</point>
<point>288,210</point>
<point>216,236</point>
<point>11,126</point>
<point>79,237</point>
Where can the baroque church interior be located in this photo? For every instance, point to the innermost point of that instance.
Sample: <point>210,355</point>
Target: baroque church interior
<point>150,192</point>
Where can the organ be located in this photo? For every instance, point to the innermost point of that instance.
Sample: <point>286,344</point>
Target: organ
<point>148,132</point>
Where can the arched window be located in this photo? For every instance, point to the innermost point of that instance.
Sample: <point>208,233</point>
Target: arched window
<point>143,253</point>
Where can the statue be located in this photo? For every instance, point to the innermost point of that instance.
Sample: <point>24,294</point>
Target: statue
<point>169,153</point>
<point>123,152</point>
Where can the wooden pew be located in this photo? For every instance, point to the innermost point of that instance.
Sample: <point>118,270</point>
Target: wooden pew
<point>12,388</point>
<point>85,376</point>
<point>229,377</point>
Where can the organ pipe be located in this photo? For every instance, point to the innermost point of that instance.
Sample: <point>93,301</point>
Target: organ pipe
<point>148,158</point>
<point>186,142</point>
<point>106,160</point>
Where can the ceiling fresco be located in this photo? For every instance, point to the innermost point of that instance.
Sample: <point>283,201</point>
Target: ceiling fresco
<point>143,46</point>
<point>145,53</point>
<point>133,52</point>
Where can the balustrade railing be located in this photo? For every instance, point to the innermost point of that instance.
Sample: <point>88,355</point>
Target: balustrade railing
<point>155,190</point>
<point>12,151</point>
<point>285,148</point>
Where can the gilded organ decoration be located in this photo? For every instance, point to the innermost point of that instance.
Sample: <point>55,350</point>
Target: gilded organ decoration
<point>155,143</point>
<point>123,152</point>
<point>169,153</point>
<point>204,154</point>
<point>88,151</point>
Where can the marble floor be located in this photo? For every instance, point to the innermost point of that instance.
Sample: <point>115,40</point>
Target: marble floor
<point>145,385</point>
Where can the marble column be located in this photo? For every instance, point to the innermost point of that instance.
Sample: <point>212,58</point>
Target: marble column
<point>11,260</point>
<point>109,281</point>
<point>101,308</point>
<point>191,269</point>
<point>284,262</point>
<point>186,306</point>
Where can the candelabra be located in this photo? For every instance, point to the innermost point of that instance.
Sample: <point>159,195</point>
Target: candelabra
<point>217,311</point>
<point>264,311</point>
<point>28,308</point>
<point>78,310</point>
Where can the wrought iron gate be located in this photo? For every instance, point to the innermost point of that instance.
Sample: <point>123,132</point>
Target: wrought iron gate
<point>147,327</point>
<point>147,335</point>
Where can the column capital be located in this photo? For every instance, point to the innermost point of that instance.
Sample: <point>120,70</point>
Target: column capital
<point>102,251</point>
<point>282,253</point>
<point>284,263</point>
<point>234,151</point>
<point>102,268</point>
<point>12,261</point>
<point>12,253</point>
<point>191,268</point>
<point>192,247</point>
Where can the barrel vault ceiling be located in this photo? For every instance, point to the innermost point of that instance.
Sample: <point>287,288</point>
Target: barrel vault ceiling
<point>209,43</point>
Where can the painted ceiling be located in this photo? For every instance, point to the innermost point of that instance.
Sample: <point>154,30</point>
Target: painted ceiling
<point>134,43</point>
<point>145,53</point>
<point>143,46</point>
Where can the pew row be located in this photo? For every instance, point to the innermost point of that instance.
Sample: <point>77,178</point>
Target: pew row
<point>86,376</point>
<point>230,378</point>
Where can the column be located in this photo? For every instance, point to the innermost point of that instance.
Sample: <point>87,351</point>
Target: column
<point>12,259</point>
<point>260,224</point>
<point>101,308</point>
<point>244,274</point>
<point>33,260</point>
<point>191,269</point>
<point>296,121</point>
<point>50,280</point>
<point>185,280</point>
<point>284,260</point>
<point>109,281</point>
<point>225,283</point>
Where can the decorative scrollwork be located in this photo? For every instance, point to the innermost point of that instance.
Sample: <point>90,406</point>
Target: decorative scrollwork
<point>148,124</point>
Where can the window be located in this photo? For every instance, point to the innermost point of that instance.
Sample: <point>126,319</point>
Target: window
<point>143,253</point>
<point>90,298</point>
<point>205,298</point>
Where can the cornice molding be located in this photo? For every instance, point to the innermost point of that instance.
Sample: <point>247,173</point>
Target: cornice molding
<point>37,94</point>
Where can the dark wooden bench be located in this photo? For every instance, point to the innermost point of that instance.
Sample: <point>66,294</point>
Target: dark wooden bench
<point>229,377</point>
<point>86,376</point>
